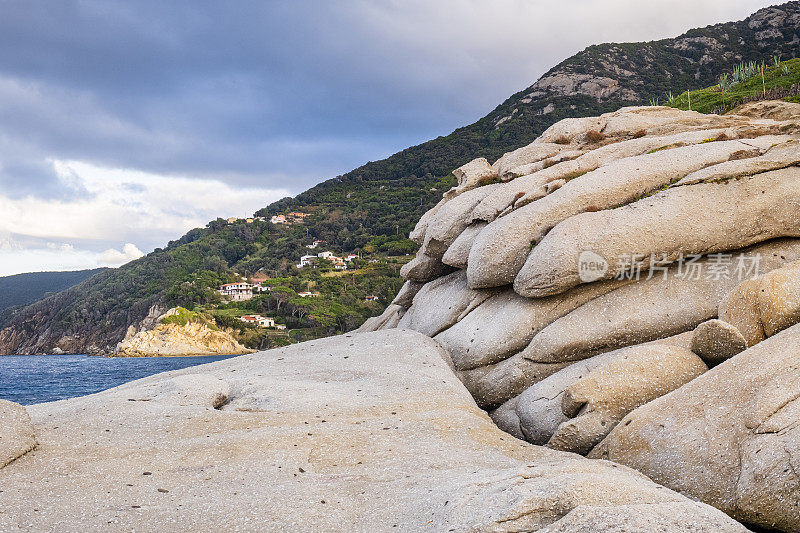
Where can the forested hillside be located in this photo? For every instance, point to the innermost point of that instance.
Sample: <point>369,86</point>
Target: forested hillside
<point>22,289</point>
<point>371,209</point>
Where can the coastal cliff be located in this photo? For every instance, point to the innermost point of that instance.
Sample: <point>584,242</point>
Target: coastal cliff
<point>180,332</point>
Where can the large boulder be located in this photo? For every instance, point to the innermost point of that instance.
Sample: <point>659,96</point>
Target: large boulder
<point>576,407</point>
<point>761,307</point>
<point>352,433</point>
<point>501,249</point>
<point>693,219</point>
<point>17,434</point>
<point>671,302</point>
<point>716,341</point>
<point>728,438</point>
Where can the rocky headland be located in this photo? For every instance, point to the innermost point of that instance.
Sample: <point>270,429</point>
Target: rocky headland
<point>179,332</point>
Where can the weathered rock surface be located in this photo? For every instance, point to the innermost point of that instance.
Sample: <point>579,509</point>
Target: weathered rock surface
<point>648,371</point>
<point>716,341</point>
<point>646,231</point>
<point>693,219</point>
<point>17,435</point>
<point>762,307</point>
<point>390,318</point>
<point>474,174</point>
<point>668,303</point>
<point>192,338</point>
<point>729,438</point>
<point>357,432</point>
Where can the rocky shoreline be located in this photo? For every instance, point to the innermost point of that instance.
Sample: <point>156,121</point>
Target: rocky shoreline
<point>356,432</point>
<point>516,346</point>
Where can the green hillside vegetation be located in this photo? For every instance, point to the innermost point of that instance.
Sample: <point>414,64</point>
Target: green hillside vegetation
<point>780,80</point>
<point>22,289</point>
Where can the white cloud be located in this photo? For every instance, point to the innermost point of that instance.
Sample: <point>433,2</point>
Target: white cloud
<point>120,206</point>
<point>112,257</point>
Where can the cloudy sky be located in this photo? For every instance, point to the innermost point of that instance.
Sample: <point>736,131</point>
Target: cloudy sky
<point>124,124</point>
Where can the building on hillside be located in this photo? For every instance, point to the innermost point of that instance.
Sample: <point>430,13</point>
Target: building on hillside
<point>371,298</point>
<point>237,292</point>
<point>279,219</point>
<point>232,220</point>
<point>280,326</point>
<point>314,245</point>
<point>351,257</point>
<point>249,220</point>
<point>258,320</point>
<point>296,216</point>
<point>307,294</point>
<point>325,255</point>
<point>306,260</point>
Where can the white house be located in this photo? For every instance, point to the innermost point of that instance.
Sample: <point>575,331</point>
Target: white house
<point>325,255</point>
<point>278,219</point>
<point>260,321</point>
<point>306,260</point>
<point>314,245</point>
<point>307,294</point>
<point>237,292</point>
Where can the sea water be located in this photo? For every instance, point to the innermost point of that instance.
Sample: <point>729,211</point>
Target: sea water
<point>28,379</point>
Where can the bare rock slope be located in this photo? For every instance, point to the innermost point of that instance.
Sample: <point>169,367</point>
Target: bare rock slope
<point>567,289</point>
<point>367,432</point>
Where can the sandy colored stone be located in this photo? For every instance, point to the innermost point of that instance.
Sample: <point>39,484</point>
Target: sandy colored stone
<point>771,109</point>
<point>450,220</point>
<point>728,438</point>
<point>501,249</point>
<point>504,197</point>
<point>532,153</point>
<point>418,233</point>
<point>779,299</point>
<point>740,309</point>
<point>389,319</point>
<point>177,340</point>
<point>405,296</point>
<point>424,268</point>
<point>780,152</point>
<point>504,323</point>
<point>761,307</point>
<point>701,218</point>
<point>716,341</point>
<point>474,174</point>
<point>351,433</point>
<point>441,303</point>
<point>595,403</point>
<point>537,412</point>
<point>649,309</point>
<point>458,252</point>
<point>17,434</point>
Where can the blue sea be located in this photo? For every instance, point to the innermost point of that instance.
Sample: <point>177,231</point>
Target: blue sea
<point>28,379</point>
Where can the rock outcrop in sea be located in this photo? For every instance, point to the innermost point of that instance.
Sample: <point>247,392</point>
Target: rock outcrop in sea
<point>187,337</point>
<point>627,287</point>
